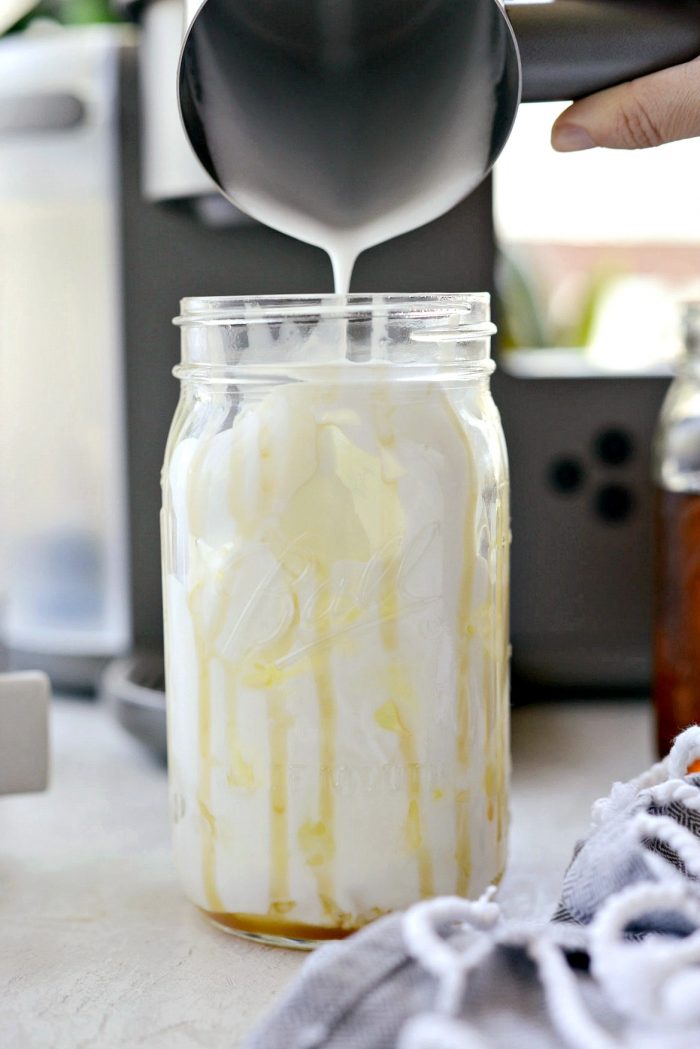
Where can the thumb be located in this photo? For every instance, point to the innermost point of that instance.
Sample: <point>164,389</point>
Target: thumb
<point>661,107</point>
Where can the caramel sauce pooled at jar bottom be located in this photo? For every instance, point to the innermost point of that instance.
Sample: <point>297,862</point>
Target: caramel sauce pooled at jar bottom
<point>677,615</point>
<point>266,926</point>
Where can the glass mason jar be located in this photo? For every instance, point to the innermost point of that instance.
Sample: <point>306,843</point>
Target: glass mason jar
<point>676,686</point>
<point>335,560</point>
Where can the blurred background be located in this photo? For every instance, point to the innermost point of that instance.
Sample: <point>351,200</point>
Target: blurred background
<point>598,248</point>
<point>106,220</point>
<point>63,521</point>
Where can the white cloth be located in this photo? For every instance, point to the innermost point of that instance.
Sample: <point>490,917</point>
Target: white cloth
<point>618,968</point>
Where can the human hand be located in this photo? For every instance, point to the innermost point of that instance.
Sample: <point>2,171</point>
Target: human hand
<point>661,107</point>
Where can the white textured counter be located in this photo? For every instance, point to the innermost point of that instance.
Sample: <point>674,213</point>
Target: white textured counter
<point>97,946</point>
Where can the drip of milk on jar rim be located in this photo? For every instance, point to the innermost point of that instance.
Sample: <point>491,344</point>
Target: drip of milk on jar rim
<point>328,343</point>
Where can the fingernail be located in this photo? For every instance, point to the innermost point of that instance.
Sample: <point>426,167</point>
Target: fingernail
<point>567,138</point>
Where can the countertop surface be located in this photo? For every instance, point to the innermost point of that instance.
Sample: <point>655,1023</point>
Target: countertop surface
<point>99,949</point>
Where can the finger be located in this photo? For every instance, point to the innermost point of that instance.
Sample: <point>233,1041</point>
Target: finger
<point>661,107</point>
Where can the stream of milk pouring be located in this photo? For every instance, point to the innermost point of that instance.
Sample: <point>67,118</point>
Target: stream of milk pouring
<point>343,263</point>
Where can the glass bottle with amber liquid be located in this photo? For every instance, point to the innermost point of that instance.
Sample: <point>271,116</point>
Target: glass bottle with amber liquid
<point>676,685</point>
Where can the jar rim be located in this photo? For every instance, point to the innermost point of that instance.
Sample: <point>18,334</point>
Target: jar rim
<point>247,309</point>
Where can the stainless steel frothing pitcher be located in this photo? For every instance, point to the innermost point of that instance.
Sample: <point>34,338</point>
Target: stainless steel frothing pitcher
<point>381,114</point>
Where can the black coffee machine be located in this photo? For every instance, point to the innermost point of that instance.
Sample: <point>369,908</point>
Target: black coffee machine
<point>581,578</point>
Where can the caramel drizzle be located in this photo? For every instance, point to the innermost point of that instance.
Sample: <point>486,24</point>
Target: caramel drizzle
<point>407,746</point>
<point>327,750</point>
<point>279,819</point>
<point>497,711</point>
<point>205,785</point>
<point>389,607</point>
<point>206,654</point>
<point>204,708</point>
<point>464,635</point>
<point>502,672</point>
<point>204,717</point>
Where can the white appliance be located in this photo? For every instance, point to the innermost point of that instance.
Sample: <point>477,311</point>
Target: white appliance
<point>63,525</point>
